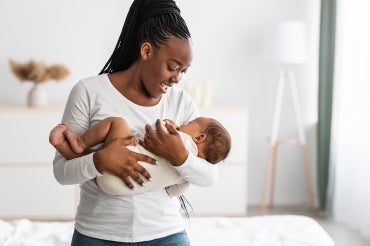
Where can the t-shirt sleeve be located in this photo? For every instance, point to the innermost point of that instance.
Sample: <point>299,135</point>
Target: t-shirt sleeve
<point>76,114</point>
<point>198,171</point>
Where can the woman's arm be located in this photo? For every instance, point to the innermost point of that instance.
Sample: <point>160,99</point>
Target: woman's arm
<point>198,171</point>
<point>170,146</point>
<point>114,158</point>
<point>76,115</point>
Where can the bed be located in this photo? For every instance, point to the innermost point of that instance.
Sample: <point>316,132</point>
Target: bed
<point>273,230</point>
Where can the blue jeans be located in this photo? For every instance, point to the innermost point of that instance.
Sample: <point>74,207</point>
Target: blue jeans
<point>177,239</point>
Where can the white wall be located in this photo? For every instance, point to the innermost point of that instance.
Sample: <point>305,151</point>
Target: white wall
<point>227,39</point>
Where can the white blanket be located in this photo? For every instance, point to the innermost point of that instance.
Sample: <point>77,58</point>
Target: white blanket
<point>287,230</point>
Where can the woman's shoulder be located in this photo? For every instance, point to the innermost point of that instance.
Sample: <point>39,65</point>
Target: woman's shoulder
<point>89,86</point>
<point>91,83</point>
<point>93,79</point>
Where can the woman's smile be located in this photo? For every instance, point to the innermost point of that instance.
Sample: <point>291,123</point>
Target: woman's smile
<point>165,85</point>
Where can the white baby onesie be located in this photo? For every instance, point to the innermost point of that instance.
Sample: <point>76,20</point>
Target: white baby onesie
<point>163,175</point>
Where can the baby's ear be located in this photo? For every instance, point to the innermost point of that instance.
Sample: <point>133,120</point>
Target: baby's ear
<point>200,138</point>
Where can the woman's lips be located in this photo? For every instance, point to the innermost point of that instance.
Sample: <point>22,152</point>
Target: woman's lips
<point>164,86</point>
<point>163,83</point>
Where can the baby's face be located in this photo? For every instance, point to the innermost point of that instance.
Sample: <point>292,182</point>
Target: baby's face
<point>196,126</point>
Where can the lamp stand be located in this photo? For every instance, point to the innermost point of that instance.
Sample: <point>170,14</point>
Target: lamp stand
<point>269,184</point>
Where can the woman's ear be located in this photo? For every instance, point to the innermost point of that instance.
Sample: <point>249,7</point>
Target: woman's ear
<point>146,50</point>
<point>200,138</point>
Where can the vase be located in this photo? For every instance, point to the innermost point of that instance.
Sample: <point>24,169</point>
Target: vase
<point>37,96</point>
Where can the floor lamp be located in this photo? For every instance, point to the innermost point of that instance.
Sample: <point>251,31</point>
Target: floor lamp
<point>286,44</point>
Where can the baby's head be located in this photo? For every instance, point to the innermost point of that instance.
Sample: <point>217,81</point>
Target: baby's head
<point>212,139</point>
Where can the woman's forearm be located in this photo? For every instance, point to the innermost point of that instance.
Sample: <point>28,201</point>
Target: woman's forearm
<point>74,171</point>
<point>198,171</point>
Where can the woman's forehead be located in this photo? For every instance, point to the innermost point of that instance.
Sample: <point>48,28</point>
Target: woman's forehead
<point>178,50</point>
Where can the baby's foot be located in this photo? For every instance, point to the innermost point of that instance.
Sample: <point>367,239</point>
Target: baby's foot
<point>56,136</point>
<point>75,141</point>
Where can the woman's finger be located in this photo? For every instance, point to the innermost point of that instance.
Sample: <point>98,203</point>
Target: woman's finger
<point>158,125</point>
<point>143,172</point>
<point>144,158</point>
<point>148,131</point>
<point>127,182</point>
<point>136,177</point>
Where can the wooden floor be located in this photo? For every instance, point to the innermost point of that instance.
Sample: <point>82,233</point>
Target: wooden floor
<point>341,234</point>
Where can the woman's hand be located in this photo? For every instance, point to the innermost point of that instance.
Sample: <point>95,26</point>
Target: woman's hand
<point>168,145</point>
<point>116,159</point>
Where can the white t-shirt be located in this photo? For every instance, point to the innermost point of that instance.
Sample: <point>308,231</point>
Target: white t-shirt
<point>139,217</point>
<point>163,174</point>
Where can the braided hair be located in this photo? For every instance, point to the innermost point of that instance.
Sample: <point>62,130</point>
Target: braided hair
<point>151,21</point>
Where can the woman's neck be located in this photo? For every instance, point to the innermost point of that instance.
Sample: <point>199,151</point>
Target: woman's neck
<point>128,84</point>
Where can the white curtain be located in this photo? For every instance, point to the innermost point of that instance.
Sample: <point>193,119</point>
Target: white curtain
<point>350,154</point>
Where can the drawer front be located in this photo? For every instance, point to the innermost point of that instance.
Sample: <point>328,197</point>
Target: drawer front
<point>228,197</point>
<point>25,137</point>
<point>31,191</point>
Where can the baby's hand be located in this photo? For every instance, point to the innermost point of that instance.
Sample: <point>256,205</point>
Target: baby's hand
<point>172,123</point>
<point>167,144</point>
<point>130,140</point>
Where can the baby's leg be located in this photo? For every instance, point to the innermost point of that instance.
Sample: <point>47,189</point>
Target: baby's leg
<point>76,142</point>
<point>105,131</point>
<point>59,141</point>
<point>118,128</point>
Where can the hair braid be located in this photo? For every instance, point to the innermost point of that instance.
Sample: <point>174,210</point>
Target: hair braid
<point>153,21</point>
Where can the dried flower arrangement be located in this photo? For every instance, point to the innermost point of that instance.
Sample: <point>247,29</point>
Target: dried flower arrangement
<point>38,72</point>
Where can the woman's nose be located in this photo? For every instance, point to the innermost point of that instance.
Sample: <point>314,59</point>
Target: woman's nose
<point>176,78</point>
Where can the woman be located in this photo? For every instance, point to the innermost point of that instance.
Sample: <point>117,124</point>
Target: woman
<point>153,51</point>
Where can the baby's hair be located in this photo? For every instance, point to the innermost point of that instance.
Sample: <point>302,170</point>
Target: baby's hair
<point>218,143</point>
<point>151,21</point>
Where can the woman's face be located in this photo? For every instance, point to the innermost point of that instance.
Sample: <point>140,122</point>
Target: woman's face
<point>165,66</point>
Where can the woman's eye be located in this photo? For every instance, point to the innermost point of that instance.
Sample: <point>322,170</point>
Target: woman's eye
<point>171,69</point>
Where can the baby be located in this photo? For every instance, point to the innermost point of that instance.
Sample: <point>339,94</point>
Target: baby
<point>203,137</point>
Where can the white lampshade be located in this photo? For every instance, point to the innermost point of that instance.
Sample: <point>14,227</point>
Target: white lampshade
<point>286,42</point>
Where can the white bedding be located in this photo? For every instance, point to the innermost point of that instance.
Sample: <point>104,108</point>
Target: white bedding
<point>287,230</point>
